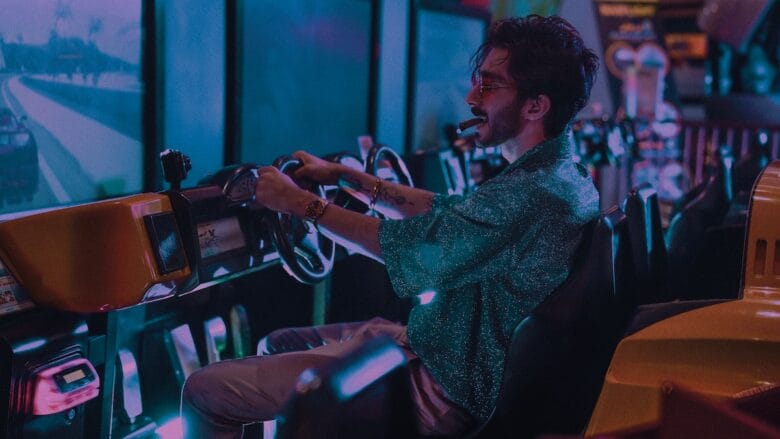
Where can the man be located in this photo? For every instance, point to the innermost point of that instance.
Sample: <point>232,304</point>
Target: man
<point>480,263</point>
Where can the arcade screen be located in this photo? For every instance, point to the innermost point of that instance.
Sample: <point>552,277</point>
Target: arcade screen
<point>445,42</point>
<point>305,69</point>
<point>220,236</point>
<point>70,101</point>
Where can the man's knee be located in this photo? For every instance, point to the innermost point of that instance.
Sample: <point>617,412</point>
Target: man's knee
<point>202,388</point>
<point>202,414</point>
<point>235,392</point>
<point>215,392</point>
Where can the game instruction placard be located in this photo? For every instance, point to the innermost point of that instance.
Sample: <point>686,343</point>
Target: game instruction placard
<point>12,296</point>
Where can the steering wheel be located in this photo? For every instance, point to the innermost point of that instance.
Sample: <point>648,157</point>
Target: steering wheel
<point>342,196</point>
<point>387,165</point>
<point>237,182</point>
<point>306,254</point>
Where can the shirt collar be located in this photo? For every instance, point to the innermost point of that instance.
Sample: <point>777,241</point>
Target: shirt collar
<point>552,149</point>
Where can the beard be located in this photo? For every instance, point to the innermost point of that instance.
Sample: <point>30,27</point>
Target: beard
<point>502,126</point>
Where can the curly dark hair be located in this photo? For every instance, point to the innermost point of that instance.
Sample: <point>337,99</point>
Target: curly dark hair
<point>546,57</point>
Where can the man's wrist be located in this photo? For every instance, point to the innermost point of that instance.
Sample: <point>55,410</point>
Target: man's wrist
<point>314,210</point>
<point>356,183</point>
<point>299,205</point>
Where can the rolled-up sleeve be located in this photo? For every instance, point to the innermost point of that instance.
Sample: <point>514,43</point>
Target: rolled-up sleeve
<point>461,240</point>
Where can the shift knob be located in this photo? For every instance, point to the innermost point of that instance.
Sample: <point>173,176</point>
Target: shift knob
<point>175,167</point>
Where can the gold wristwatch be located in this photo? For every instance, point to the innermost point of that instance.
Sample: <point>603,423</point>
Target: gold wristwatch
<point>314,210</point>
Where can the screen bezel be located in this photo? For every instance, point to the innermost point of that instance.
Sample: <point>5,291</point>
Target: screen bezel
<point>150,139</point>
<point>152,76</point>
<point>234,78</point>
<point>439,6</point>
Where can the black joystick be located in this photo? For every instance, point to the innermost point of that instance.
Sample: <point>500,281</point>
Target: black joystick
<point>175,167</point>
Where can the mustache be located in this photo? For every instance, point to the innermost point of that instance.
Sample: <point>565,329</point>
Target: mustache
<point>477,112</point>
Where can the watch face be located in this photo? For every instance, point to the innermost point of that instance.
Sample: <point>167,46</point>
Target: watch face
<point>314,210</point>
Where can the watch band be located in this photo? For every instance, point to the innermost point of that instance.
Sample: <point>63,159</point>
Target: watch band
<point>375,193</point>
<point>314,210</point>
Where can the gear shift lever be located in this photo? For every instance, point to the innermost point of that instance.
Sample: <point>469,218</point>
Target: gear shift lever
<point>175,166</point>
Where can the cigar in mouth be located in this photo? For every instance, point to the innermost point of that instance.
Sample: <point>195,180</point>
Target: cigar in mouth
<point>466,124</point>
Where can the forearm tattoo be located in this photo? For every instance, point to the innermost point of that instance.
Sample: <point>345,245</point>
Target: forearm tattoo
<point>387,194</point>
<point>391,196</point>
<point>351,182</point>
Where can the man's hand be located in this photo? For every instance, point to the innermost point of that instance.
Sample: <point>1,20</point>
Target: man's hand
<point>277,191</point>
<point>317,170</point>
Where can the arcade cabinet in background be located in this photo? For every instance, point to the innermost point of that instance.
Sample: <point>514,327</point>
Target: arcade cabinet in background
<point>743,61</point>
<point>46,377</point>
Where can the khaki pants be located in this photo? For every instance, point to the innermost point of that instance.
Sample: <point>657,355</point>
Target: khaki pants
<point>220,398</point>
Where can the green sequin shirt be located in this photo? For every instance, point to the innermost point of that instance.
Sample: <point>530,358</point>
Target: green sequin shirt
<point>480,263</point>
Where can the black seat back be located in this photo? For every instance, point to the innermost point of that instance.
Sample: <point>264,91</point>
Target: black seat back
<point>647,245</point>
<point>560,353</point>
<point>720,191</point>
<point>686,236</point>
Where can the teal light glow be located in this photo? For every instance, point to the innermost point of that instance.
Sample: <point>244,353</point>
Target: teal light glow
<point>361,375</point>
<point>171,429</point>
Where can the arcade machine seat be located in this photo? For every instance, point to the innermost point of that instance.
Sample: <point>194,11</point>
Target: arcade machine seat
<point>647,245</point>
<point>705,238</point>
<point>559,354</point>
<point>686,237</point>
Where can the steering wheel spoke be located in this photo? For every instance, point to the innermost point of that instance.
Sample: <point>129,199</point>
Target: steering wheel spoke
<point>311,255</point>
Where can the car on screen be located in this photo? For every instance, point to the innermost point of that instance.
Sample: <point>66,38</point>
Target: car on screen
<point>18,159</point>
